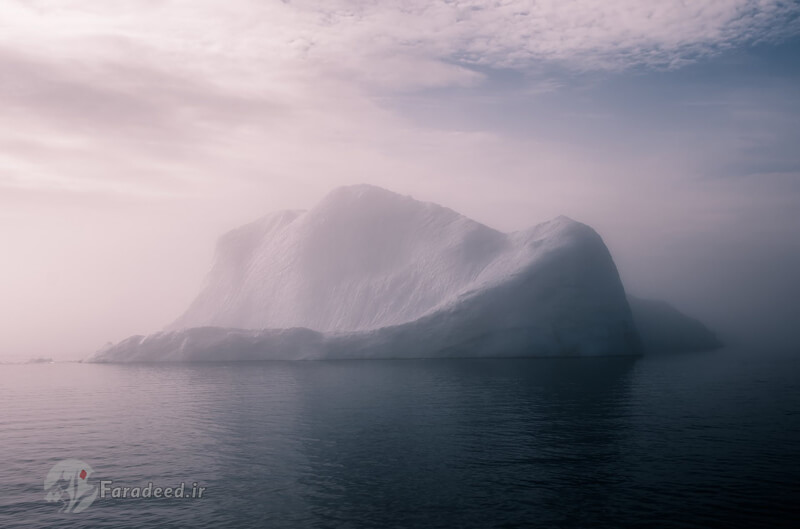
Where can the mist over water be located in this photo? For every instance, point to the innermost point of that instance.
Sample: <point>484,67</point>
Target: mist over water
<point>688,440</point>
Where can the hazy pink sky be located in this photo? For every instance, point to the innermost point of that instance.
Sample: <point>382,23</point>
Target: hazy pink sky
<point>135,132</point>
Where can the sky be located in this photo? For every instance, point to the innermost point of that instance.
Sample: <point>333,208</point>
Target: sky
<point>136,132</point>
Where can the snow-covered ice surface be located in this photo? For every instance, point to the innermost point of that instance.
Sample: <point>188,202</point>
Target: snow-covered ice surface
<point>368,273</point>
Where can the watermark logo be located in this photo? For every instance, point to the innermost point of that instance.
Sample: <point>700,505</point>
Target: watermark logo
<point>107,490</point>
<point>68,483</point>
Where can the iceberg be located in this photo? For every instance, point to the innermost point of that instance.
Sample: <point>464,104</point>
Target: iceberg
<point>663,328</point>
<point>368,273</point>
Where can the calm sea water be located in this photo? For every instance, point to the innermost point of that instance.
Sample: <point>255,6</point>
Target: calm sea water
<point>687,440</point>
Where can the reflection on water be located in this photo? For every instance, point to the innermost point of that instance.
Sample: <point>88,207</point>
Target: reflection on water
<point>686,440</point>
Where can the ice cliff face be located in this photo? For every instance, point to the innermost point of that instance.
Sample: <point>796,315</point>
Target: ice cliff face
<point>370,273</point>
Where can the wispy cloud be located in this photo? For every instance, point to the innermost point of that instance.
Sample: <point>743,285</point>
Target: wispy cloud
<point>359,36</point>
<point>166,87</point>
<point>584,34</point>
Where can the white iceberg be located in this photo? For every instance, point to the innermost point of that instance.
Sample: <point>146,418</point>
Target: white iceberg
<point>368,273</point>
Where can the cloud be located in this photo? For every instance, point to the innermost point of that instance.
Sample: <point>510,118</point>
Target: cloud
<point>138,74</point>
<point>368,38</point>
<point>157,98</point>
<point>584,34</point>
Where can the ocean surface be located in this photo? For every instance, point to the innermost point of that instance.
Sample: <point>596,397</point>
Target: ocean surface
<point>683,440</point>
